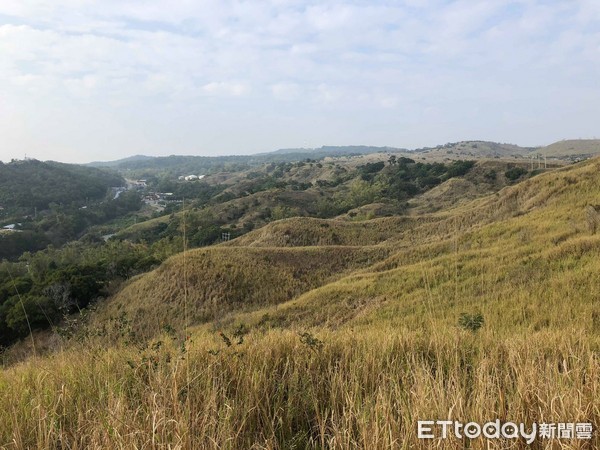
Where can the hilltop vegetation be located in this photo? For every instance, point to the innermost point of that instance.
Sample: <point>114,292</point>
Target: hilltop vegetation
<point>28,184</point>
<point>47,203</point>
<point>308,189</point>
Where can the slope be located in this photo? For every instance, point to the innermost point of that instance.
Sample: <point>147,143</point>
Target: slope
<point>488,255</point>
<point>572,148</point>
<point>526,258</point>
<point>222,279</point>
<point>360,357</point>
<point>474,149</point>
<point>306,231</point>
<point>31,183</point>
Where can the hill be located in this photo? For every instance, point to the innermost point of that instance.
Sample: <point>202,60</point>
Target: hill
<point>340,150</point>
<point>475,149</point>
<point>188,164</point>
<point>43,203</point>
<point>306,232</point>
<point>523,225</point>
<point>119,162</point>
<point>485,178</point>
<point>222,279</point>
<point>572,149</point>
<point>31,183</point>
<point>482,310</point>
<point>349,188</point>
<point>184,165</point>
<point>525,259</point>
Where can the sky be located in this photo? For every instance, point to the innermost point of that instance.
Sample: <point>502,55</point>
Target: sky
<point>85,80</point>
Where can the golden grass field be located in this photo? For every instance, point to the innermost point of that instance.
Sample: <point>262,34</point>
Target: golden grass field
<point>291,338</point>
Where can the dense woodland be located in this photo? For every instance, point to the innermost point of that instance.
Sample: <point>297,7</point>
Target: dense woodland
<point>53,203</point>
<point>34,184</point>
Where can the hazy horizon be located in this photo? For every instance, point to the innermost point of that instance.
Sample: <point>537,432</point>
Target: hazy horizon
<point>99,81</point>
<point>158,155</point>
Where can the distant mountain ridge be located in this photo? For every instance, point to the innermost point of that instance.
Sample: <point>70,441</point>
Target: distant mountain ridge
<point>572,148</point>
<point>181,165</point>
<point>340,149</point>
<point>117,162</point>
<point>478,149</point>
<point>329,149</point>
<point>566,149</point>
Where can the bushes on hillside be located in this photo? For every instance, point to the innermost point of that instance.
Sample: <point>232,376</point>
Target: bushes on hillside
<point>50,284</point>
<point>515,173</point>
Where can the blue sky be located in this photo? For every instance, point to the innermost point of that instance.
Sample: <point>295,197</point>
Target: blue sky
<point>84,80</point>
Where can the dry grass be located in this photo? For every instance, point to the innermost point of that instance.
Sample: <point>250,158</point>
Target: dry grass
<point>223,279</point>
<point>305,232</point>
<point>388,349</point>
<point>359,390</point>
<point>572,147</point>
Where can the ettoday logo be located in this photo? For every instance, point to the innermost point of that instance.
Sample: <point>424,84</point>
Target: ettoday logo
<point>443,429</point>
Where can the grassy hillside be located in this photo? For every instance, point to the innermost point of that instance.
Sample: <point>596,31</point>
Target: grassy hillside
<point>221,279</point>
<point>347,188</point>
<point>445,259</point>
<point>475,149</point>
<point>486,177</point>
<point>344,346</point>
<point>275,390</point>
<point>572,148</point>
<point>525,258</point>
<point>305,232</point>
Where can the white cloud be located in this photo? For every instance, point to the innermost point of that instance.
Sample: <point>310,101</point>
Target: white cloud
<point>225,88</point>
<point>285,91</point>
<point>351,64</point>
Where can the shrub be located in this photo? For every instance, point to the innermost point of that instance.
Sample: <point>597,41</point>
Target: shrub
<point>515,173</point>
<point>459,168</point>
<point>490,175</point>
<point>470,322</point>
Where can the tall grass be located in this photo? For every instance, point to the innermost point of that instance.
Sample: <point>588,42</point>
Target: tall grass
<point>223,279</point>
<point>273,391</point>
